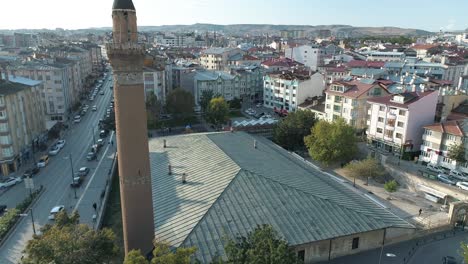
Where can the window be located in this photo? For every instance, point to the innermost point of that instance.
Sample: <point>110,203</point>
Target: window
<point>301,255</point>
<point>381,119</point>
<point>379,130</point>
<point>400,124</point>
<point>447,160</point>
<point>444,148</point>
<point>47,78</point>
<point>428,132</point>
<point>451,137</point>
<point>426,143</point>
<point>398,135</point>
<point>402,112</point>
<point>327,106</point>
<point>382,108</point>
<point>355,244</point>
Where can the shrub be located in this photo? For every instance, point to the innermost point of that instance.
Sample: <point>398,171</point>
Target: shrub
<point>391,186</point>
<point>7,221</point>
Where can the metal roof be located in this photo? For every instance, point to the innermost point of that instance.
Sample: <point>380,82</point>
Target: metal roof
<point>233,187</point>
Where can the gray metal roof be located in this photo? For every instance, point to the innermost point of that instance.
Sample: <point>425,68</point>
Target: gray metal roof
<point>235,187</point>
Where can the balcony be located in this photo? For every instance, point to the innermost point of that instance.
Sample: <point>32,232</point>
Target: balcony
<point>391,116</point>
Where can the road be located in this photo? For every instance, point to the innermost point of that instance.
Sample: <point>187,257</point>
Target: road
<point>56,178</point>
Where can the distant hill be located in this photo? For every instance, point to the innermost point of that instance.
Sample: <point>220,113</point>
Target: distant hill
<point>257,29</point>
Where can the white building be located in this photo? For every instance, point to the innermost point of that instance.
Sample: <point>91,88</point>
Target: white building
<point>287,90</point>
<point>385,56</point>
<point>154,81</point>
<point>396,121</point>
<point>218,58</point>
<point>310,56</point>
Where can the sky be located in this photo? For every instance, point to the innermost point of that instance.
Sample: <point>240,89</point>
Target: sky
<point>429,15</point>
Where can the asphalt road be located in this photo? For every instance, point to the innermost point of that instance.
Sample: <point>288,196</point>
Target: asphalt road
<point>56,178</point>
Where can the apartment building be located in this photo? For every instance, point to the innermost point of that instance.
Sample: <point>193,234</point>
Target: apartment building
<point>217,59</point>
<point>395,122</point>
<point>21,121</point>
<point>287,90</point>
<point>309,55</point>
<point>347,99</point>
<point>413,66</point>
<point>154,81</point>
<point>385,56</point>
<point>437,140</point>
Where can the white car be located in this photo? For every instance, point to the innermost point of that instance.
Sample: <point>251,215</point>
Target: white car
<point>55,211</point>
<point>101,93</point>
<point>94,109</point>
<point>77,119</point>
<point>10,182</point>
<point>60,144</point>
<point>54,151</point>
<point>434,168</point>
<point>463,185</point>
<point>458,175</point>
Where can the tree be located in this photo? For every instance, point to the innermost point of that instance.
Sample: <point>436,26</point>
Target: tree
<point>367,168</point>
<point>153,106</point>
<point>235,103</point>
<point>331,142</point>
<point>67,241</point>
<point>218,111</point>
<point>290,131</point>
<point>180,103</point>
<point>457,153</point>
<point>205,99</point>
<point>263,246</point>
<point>391,186</point>
<point>135,257</point>
<point>464,251</point>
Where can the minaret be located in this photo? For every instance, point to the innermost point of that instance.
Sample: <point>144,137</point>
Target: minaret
<point>126,56</point>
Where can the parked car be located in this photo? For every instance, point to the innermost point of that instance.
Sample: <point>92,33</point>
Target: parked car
<point>10,181</point>
<point>43,161</point>
<point>94,109</point>
<point>463,185</point>
<point>259,105</point>
<point>100,142</point>
<point>31,172</point>
<point>3,209</point>
<point>91,156</point>
<point>101,93</point>
<point>54,151</point>
<point>83,171</point>
<point>103,133</point>
<point>54,211</point>
<point>445,179</point>
<point>458,175</point>
<point>77,119</point>
<point>434,168</point>
<point>77,181</point>
<point>449,260</point>
<point>60,143</point>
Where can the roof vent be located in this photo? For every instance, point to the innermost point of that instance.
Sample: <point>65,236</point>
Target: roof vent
<point>184,178</point>
<point>164,143</point>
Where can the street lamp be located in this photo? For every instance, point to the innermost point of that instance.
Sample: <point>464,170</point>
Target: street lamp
<point>32,219</point>
<point>72,173</point>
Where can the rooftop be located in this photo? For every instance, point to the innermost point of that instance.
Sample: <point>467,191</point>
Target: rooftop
<point>450,127</point>
<point>407,99</point>
<point>7,87</point>
<point>232,187</point>
<point>356,88</point>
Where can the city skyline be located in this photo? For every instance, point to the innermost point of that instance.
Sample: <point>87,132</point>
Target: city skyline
<point>51,14</point>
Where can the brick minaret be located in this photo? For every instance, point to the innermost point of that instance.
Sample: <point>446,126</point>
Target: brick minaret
<point>126,57</point>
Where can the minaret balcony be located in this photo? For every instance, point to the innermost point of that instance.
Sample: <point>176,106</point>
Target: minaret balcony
<point>125,49</point>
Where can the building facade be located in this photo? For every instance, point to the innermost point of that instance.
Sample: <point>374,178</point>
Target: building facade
<point>218,58</point>
<point>309,55</point>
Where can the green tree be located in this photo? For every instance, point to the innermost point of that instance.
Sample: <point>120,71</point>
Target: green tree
<point>205,99</point>
<point>367,168</point>
<point>290,131</point>
<point>218,111</point>
<point>263,246</point>
<point>235,103</point>
<point>153,109</point>
<point>457,153</point>
<point>391,186</point>
<point>68,242</point>
<point>135,257</point>
<point>331,142</point>
<point>464,251</point>
<point>180,103</point>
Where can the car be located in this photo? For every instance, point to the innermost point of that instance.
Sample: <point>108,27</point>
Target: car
<point>54,151</point>
<point>77,181</point>
<point>95,148</point>
<point>55,210</point>
<point>91,156</point>
<point>101,93</point>
<point>10,181</point>
<point>94,109</point>
<point>61,143</point>
<point>77,119</point>
<point>259,105</point>
<point>43,161</point>
<point>103,133</point>
<point>458,175</point>
<point>30,172</point>
<point>463,185</point>
<point>83,171</point>
<point>445,179</point>
<point>91,98</point>
<point>100,142</point>
<point>434,168</point>
<point>3,209</point>
<point>449,260</point>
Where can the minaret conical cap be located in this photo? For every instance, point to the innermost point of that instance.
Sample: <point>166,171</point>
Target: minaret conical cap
<point>123,4</point>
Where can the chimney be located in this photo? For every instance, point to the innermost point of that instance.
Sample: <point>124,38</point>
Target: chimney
<point>255,144</point>
<point>164,143</point>
<point>169,168</point>
<point>184,178</point>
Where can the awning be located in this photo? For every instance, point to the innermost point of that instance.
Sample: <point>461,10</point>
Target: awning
<point>432,191</point>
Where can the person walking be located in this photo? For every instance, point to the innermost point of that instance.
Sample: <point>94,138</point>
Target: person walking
<point>420,211</point>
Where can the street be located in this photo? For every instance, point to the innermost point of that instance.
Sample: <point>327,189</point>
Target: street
<point>57,176</point>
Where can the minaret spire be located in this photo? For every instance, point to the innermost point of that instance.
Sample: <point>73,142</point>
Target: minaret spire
<point>123,4</point>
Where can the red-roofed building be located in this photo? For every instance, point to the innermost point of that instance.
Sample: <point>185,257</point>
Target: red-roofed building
<point>395,122</point>
<point>437,140</point>
<point>366,64</point>
<point>423,50</point>
<point>280,64</point>
<point>348,100</point>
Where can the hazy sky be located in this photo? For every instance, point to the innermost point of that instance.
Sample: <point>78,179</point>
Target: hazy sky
<point>72,14</point>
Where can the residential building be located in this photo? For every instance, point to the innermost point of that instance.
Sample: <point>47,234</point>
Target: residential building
<point>437,140</point>
<point>424,50</point>
<point>218,58</point>
<point>309,55</point>
<point>293,34</point>
<point>347,99</point>
<point>395,122</point>
<point>412,66</point>
<point>235,182</point>
<point>21,121</point>
<point>154,81</point>
<point>316,105</point>
<point>281,64</point>
<point>287,90</point>
<point>385,56</point>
